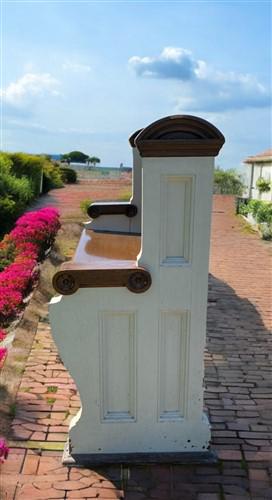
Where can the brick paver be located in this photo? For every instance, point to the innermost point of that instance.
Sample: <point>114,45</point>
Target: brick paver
<point>68,199</point>
<point>238,397</point>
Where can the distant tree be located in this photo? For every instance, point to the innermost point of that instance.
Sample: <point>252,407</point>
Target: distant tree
<point>228,182</point>
<point>75,157</point>
<point>93,160</point>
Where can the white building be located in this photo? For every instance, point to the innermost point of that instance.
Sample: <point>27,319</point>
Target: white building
<point>260,166</point>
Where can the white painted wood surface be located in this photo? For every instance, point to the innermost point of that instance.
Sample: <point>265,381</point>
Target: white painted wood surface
<point>137,359</point>
<point>122,223</point>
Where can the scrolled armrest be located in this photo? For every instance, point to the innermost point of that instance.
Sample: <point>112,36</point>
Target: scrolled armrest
<point>68,280</point>
<point>97,209</point>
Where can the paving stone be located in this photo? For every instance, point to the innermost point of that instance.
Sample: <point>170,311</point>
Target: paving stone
<point>56,436</point>
<point>230,455</point>
<point>208,496</point>
<point>31,464</point>
<point>35,427</point>
<point>258,475</point>
<point>38,436</point>
<point>258,456</point>
<point>86,493</point>
<point>14,463</point>
<point>19,433</point>
<point>28,491</point>
<point>69,485</point>
<point>238,379</point>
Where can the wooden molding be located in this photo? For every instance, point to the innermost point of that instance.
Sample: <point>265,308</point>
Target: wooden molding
<point>179,135</point>
<point>97,209</point>
<point>68,280</point>
<point>133,137</point>
<point>65,282</point>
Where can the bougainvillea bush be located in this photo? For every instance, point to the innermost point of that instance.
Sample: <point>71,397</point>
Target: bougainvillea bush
<point>20,252</point>
<point>3,352</point>
<point>4,450</point>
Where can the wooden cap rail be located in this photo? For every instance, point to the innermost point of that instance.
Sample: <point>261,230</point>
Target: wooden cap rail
<point>97,209</point>
<point>68,280</point>
<point>179,135</point>
<point>133,137</point>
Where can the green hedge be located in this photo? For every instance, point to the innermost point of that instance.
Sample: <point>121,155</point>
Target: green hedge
<point>20,181</point>
<point>24,165</point>
<point>68,175</point>
<point>262,213</point>
<point>32,167</point>
<point>15,194</point>
<point>51,176</point>
<point>261,210</point>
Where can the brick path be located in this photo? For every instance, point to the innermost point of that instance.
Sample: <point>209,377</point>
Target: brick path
<point>68,199</point>
<point>238,397</point>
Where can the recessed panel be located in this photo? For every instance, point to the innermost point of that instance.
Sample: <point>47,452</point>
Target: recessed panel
<point>172,364</point>
<point>176,219</point>
<point>117,362</point>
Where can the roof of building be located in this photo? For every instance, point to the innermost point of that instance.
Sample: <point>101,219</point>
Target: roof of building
<point>263,157</point>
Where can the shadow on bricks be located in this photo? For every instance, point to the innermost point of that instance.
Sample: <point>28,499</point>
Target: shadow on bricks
<point>238,401</point>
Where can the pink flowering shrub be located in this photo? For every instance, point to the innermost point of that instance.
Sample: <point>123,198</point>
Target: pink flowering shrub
<point>3,352</point>
<point>38,228</point>
<point>33,234</point>
<point>2,334</point>
<point>4,450</point>
<point>10,302</point>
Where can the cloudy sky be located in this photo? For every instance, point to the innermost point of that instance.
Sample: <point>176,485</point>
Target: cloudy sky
<point>86,74</point>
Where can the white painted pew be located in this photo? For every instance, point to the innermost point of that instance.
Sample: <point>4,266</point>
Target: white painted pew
<point>130,324</point>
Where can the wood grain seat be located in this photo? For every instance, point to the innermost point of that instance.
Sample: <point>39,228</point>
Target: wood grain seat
<point>103,260</point>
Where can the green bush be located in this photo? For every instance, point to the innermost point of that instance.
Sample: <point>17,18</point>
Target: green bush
<point>51,176</point>
<point>84,205</point>
<point>8,214</point>
<point>243,209</point>
<point>227,182</point>
<point>263,185</point>
<point>15,194</point>
<point>125,196</point>
<point>264,213</point>
<point>25,165</point>
<point>32,167</point>
<point>20,183</point>
<point>253,206</point>
<point>68,175</point>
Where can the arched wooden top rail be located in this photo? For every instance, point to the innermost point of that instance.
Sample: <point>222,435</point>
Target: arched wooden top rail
<point>179,135</point>
<point>133,137</point>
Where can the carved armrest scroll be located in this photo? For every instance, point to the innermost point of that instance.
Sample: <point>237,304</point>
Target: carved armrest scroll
<point>68,281</point>
<point>97,209</point>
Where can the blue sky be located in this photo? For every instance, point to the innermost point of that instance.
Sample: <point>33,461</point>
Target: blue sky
<point>85,75</point>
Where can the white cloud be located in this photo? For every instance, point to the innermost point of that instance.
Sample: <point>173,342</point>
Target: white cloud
<point>203,88</point>
<point>38,128</point>
<point>173,62</point>
<point>28,86</point>
<point>76,67</point>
